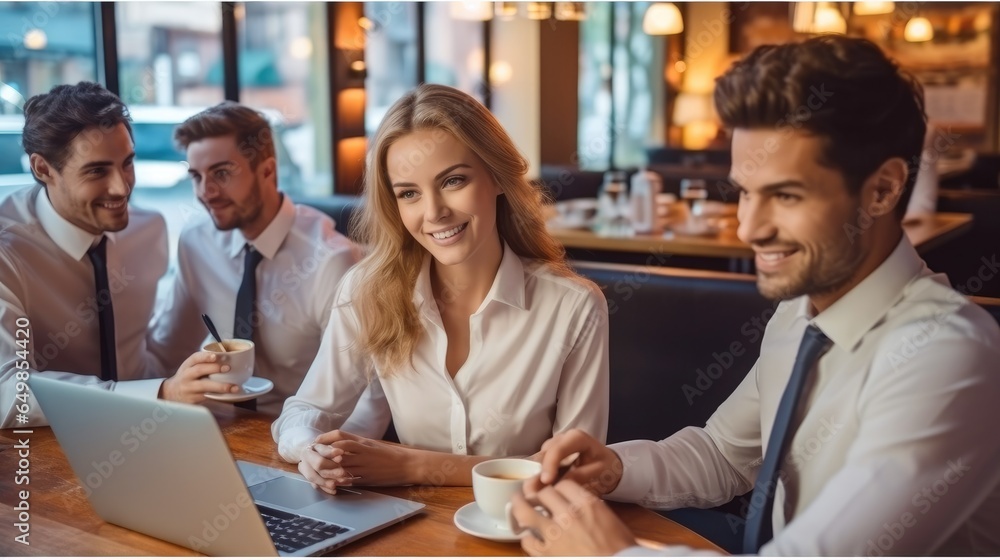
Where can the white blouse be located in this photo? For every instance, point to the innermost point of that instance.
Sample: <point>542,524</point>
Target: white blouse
<point>537,365</point>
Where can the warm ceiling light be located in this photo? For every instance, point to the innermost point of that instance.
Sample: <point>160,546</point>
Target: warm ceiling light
<point>500,72</point>
<point>35,40</point>
<point>817,17</point>
<point>506,10</point>
<point>472,10</point>
<point>873,8</point>
<point>918,29</point>
<point>662,18</point>
<point>539,10</point>
<point>828,19</point>
<point>571,11</point>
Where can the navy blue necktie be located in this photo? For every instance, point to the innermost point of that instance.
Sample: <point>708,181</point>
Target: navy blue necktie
<point>245,298</point>
<point>105,311</point>
<point>758,528</point>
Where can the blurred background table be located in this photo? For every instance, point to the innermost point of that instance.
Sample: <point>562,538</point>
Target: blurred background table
<point>721,240</point>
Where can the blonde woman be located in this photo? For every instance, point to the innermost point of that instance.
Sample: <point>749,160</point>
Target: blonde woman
<point>463,311</point>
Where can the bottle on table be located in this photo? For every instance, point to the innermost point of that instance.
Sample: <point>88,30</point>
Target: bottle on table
<point>646,185</point>
<point>612,206</point>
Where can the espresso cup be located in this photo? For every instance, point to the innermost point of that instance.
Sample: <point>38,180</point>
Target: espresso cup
<point>238,354</point>
<point>494,482</point>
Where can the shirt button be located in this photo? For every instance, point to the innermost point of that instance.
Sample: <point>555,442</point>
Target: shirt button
<point>461,447</point>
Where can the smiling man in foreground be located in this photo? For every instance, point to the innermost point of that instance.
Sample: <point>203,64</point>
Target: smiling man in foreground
<point>866,427</point>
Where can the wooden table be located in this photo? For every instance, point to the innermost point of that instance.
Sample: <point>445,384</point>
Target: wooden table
<point>63,523</point>
<point>925,235</point>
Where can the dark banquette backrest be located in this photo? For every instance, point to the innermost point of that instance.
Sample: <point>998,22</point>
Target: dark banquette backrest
<point>680,342</point>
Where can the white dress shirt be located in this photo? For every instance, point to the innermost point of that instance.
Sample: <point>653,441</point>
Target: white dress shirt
<point>304,260</point>
<point>897,454</point>
<point>46,276</point>
<point>537,365</point>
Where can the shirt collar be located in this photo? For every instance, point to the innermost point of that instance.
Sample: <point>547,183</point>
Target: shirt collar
<point>73,240</point>
<point>508,285</point>
<point>269,240</point>
<point>856,312</point>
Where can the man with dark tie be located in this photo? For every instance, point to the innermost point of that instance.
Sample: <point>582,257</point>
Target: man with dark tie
<point>260,266</point>
<point>868,424</point>
<point>78,264</point>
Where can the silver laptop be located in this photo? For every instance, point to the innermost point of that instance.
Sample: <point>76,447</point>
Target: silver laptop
<point>164,469</point>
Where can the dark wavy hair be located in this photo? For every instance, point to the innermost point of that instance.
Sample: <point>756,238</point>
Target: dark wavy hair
<point>249,127</point>
<point>53,120</point>
<point>844,90</point>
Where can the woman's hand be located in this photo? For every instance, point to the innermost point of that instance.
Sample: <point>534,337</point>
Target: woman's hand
<point>371,462</point>
<point>320,465</point>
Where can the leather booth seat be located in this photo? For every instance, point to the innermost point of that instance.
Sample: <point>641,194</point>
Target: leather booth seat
<point>680,342</point>
<point>971,261</point>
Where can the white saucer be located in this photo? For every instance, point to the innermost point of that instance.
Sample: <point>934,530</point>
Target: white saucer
<point>253,388</point>
<point>470,519</point>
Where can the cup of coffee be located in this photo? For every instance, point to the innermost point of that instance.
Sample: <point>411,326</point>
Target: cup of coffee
<point>494,482</point>
<point>238,355</point>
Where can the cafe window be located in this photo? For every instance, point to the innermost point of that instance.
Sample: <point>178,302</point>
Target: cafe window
<point>284,72</point>
<point>43,46</point>
<point>454,48</point>
<point>595,136</point>
<point>621,88</point>
<point>638,86</point>
<point>169,55</point>
<point>390,56</point>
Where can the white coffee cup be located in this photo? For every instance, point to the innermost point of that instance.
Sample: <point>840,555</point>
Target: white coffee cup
<point>238,354</point>
<point>494,482</point>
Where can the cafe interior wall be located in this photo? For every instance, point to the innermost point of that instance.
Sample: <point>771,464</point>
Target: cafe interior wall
<point>515,80</point>
<point>515,83</point>
<point>708,53</point>
<point>706,56</point>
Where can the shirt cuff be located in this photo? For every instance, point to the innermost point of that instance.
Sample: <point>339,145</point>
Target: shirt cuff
<point>665,550</point>
<point>636,474</point>
<point>142,388</point>
<point>293,441</point>
<point>639,551</point>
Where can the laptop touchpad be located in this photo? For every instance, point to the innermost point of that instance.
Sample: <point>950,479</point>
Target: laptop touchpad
<point>287,492</point>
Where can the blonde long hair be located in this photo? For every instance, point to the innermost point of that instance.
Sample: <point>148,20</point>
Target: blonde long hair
<point>390,325</point>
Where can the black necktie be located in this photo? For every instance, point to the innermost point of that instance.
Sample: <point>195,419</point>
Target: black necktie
<point>245,298</point>
<point>105,311</point>
<point>758,528</point>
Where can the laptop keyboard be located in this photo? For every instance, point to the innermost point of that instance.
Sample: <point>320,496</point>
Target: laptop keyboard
<point>291,532</point>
